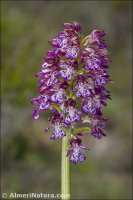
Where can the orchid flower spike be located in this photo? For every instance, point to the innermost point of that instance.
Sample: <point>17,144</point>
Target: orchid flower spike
<point>73,80</point>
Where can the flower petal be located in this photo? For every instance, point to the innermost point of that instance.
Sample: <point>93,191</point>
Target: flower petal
<point>35,114</point>
<point>81,157</point>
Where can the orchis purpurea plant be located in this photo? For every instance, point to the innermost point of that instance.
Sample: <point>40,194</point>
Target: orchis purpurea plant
<point>72,85</point>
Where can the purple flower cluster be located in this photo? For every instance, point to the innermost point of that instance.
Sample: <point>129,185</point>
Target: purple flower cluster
<point>72,85</point>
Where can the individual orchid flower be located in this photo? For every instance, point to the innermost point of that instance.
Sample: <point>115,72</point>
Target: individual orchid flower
<point>74,150</point>
<point>58,96</point>
<point>41,103</point>
<point>58,132</point>
<point>92,105</point>
<point>57,126</point>
<point>73,115</point>
<point>66,71</point>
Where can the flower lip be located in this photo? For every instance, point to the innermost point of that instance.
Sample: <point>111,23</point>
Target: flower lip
<point>58,133</point>
<point>58,96</point>
<point>72,52</point>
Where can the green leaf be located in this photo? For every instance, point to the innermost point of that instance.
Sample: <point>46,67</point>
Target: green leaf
<point>82,129</point>
<point>57,108</point>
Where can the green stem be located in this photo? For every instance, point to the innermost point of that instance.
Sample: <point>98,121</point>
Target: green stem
<point>65,168</point>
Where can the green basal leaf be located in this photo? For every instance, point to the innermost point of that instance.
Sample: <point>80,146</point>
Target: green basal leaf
<point>57,108</point>
<point>82,129</point>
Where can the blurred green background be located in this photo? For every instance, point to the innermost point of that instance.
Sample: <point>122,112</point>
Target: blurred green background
<point>30,161</point>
